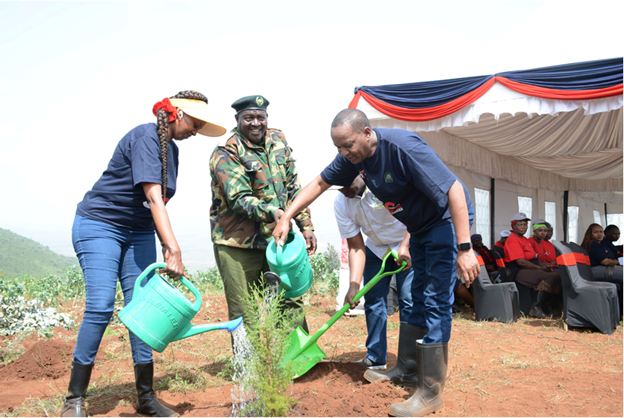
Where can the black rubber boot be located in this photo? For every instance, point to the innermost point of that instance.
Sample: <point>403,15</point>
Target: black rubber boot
<point>428,398</point>
<point>147,403</point>
<point>74,405</point>
<point>405,371</point>
<point>537,311</point>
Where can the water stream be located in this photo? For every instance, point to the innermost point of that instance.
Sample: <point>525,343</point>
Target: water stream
<point>242,354</point>
<point>241,396</point>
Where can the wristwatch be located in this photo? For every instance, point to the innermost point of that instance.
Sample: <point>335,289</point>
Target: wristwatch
<point>464,246</point>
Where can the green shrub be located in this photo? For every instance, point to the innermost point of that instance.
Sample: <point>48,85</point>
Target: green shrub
<point>333,257</point>
<point>325,268</point>
<point>49,289</point>
<point>207,280</point>
<point>27,303</point>
<point>268,333</point>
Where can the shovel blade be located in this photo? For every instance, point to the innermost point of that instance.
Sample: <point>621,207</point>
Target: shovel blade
<point>301,359</point>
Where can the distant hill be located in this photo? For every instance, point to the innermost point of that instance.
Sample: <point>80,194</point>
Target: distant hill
<point>20,255</point>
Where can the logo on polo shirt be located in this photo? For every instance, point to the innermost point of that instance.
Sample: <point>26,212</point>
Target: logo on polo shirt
<point>363,174</point>
<point>388,178</point>
<point>392,208</point>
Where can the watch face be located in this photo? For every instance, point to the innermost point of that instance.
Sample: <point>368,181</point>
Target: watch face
<point>464,246</point>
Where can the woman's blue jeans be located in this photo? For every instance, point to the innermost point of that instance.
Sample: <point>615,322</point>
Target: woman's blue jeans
<point>107,253</point>
<point>376,304</point>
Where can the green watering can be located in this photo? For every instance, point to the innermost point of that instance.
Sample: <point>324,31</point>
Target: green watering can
<point>303,352</point>
<point>159,313</point>
<point>290,261</point>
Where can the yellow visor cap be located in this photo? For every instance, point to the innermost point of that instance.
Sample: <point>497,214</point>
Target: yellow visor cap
<point>199,110</point>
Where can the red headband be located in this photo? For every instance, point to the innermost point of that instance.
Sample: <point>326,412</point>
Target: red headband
<point>166,105</point>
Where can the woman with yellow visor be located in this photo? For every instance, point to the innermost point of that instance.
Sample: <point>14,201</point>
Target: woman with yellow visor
<point>113,236</point>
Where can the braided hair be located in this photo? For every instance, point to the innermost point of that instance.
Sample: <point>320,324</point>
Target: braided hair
<point>163,132</point>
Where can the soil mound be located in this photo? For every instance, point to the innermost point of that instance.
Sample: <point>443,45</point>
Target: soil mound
<point>44,359</point>
<point>339,389</point>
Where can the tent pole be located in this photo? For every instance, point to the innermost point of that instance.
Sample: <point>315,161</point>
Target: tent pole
<point>606,223</point>
<point>565,216</point>
<point>493,212</point>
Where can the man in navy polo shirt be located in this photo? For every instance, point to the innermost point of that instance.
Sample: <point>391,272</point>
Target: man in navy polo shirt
<point>422,193</point>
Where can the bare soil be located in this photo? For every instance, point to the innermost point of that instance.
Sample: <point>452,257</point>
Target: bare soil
<point>531,368</point>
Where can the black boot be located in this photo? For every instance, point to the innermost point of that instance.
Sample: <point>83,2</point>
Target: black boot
<point>405,371</point>
<point>537,311</point>
<point>428,398</point>
<point>147,403</point>
<point>74,405</point>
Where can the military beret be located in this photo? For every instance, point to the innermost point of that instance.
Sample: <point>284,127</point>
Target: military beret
<point>250,103</point>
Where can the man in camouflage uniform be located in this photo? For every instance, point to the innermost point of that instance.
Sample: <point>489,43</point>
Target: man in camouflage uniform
<point>254,180</point>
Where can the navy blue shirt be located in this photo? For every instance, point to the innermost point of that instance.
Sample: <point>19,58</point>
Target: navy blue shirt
<point>407,175</point>
<point>612,247</point>
<point>599,251</point>
<point>117,197</point>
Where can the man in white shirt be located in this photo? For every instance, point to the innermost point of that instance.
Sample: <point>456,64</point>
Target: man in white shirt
<point>358,211</point>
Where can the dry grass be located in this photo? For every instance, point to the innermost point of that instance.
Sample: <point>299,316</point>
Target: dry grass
<point>39,407</point>
<point>11,351</point>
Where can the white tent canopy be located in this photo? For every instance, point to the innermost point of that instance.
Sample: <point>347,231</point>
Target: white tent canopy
<point>534,148</point>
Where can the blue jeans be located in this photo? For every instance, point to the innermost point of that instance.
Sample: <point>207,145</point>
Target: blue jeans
<point>106,253</point>
<point>433,260</point>
<point>434,257</point>
<point>376,306</point>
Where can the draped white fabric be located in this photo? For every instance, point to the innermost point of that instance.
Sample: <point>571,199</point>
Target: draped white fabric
<point>537,143</point>
<point>570,144</point>
<point>462,153</point>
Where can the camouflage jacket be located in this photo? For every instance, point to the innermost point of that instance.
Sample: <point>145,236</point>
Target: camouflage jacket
<point>249,183</point>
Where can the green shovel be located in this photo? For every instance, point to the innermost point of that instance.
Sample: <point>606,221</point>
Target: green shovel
<point>303,352</point>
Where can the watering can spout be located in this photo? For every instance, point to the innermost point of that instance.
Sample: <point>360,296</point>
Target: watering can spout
<point>199,329</point>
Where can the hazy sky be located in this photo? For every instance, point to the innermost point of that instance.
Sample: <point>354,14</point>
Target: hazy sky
<point>75,77</point>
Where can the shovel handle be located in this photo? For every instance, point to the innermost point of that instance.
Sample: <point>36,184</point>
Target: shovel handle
<point>375,279</point>
<point>357,297</point>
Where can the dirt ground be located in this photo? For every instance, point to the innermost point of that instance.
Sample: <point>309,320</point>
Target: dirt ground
<point>531,368</point>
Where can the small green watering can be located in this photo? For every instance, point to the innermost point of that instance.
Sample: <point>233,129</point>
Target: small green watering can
<point>290,261</point>
<point>303,353</point>
<point>159,313</point>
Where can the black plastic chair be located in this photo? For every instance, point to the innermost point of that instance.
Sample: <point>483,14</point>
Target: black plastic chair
<point>494,302</point>
<point>526,295</point>
<point>584,265</point>
<point>499,257</point>
<point>585,304</point>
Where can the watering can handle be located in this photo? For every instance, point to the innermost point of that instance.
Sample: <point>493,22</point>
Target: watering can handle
<point>137,284</point>
<point>280,250</point>
<point>280,253</point>
<point>138,289</point>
